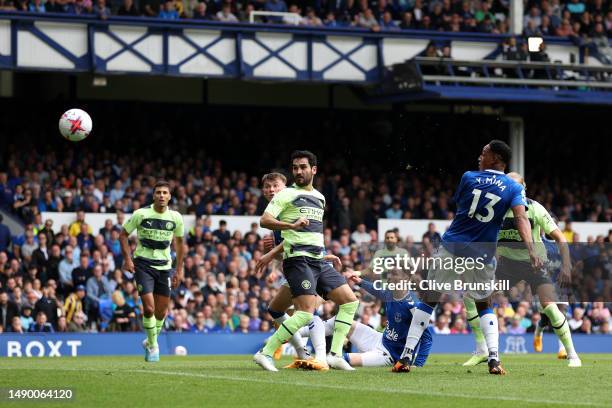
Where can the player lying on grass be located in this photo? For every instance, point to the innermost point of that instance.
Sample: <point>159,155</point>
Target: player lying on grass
<point>155,226</point>
<point>376,349</point>
<point>514,265</point>
<point>298,212</point>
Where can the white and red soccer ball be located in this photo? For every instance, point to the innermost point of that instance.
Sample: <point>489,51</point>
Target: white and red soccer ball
<point>75,125</point>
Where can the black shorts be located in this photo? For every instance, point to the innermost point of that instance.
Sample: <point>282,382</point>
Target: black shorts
<point>516,271</point>
<point>309,276</point>
<point>149,279</point>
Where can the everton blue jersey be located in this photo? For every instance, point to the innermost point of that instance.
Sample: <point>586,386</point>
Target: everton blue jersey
<point>399,316</point>
<point>482,198</point>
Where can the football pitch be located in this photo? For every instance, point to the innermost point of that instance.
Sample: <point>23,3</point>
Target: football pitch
<point>224,381</point>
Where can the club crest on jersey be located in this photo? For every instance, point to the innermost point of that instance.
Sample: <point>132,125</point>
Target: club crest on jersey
<point>169,226</point>
<point>306,284</point>
<point>397,317</point>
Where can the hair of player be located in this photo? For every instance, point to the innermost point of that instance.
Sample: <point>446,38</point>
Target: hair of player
<point>518,178</point>
<point>274,176</point>
<point>301,154</point>
<point>502,149</point>
<point>160,184</point>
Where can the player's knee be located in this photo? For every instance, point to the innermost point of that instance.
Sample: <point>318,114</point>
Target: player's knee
<point>148,310</point>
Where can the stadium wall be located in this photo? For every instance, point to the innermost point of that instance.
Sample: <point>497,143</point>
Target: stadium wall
<point>121,45</point>
<point>96,221</point>
<point>102,344</point>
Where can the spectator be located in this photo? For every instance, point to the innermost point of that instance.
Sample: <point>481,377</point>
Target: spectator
<point>168,12</point>
<point>366,19</point>
<point>16,326</point>
<point>387,23</point>
<point>407,21</point>
<point>222,234</point>
<point>311,18</point>
<point>200,13</point>
<point>41,325</point>
<point>74,303</point>
<point>98,287</point>
<point>226,15</point>
<point>128,9</point>
<point>37,7</point>
<point>75,228</point>
<point>360,235</point>
<point>77,325</point>
<point>5,236</point>
<point>8,310</point>
<point>123,315</point>
<point>394,212</point>
<point>441,326</point>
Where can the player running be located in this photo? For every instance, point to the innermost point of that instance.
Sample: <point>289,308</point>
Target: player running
<point>155,226</point>
<point>482,198</point>
<point>300,218</point>
<point>272,184</point>
<point>376,349</point>
<point>514,266</point>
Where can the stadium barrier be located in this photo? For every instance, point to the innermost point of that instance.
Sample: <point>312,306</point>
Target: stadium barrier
<point>101,344</point>
<point>240,223</point>
<point>120,45</point>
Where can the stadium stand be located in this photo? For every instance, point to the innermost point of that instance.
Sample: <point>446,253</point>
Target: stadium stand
<point>78,270</point>
<point>584,21</point>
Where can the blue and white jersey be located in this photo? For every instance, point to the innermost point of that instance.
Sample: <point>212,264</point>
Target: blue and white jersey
<point>399,317</point>
<point>482,198</point>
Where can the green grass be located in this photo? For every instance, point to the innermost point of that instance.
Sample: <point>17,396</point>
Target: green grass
<point>220,381</point>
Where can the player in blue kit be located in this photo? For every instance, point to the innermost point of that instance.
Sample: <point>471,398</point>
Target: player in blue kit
<point>376,349</point>
<point>483,197</point>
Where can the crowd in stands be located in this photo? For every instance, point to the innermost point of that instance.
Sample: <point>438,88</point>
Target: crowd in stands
<point>563,18</point>
<point>69,277</point>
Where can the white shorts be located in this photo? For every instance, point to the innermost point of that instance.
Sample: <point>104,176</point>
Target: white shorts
<point>474,276</point>
<point>368,343</point>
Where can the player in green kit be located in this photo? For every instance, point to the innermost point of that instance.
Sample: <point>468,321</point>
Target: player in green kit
<point>298,212</point>
<point>514,266</point>
<point>156,226</point>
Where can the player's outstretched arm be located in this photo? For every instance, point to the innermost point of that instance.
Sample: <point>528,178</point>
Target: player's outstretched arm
<point>265,260</point>
<point>128,264</point>
<point>524,228</point>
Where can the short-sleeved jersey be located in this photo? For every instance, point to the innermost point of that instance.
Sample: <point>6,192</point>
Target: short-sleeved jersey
<point>482,199</point>
<point>292,203</point>
<point>155,232</point>
<point>540,220</point>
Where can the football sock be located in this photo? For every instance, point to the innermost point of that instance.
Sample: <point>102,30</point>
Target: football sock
<point>317,337</point>
<point>150,327</point>
<point>490,329</point>
<point>561,328</point>
<point>342,325</point>
<point>295,340</point>
<point>474,321</point>
<point>159,324</point>
<point>420,322</point>
<point>286,330</point>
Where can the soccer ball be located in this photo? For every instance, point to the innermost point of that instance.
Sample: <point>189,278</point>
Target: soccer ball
<point>75,125</point>
<point>180,351</point>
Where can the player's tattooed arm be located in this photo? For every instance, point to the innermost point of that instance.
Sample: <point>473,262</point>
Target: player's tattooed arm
<point>524,228</point>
